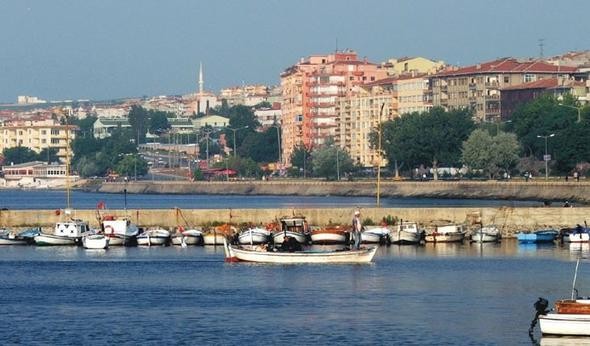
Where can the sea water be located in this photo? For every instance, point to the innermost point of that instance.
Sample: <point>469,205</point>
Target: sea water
<point>459,294</point>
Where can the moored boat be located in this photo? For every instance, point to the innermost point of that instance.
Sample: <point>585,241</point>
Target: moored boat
<point>540,236</point>
<point>154,237</point>
<point>375,234</point>
<point>450,233</point>
<point>235,253</point>
<point>120,231</point>
<point>487,234</point>
<point>254,236</point>
<point>568,317</point>
<point>295,227</point>
<point>217,234</point>
<point>95,241</point>
<point>64,233</point>
<point>188,237</point>
<point>10,238</point>
<point>329,235</point>
<point>576,234</point>
<point>406,232</point>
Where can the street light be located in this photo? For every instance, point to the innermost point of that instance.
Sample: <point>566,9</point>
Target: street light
<point>546,157</point>
<point>207,133</point>
<point>234,131</point>
<point>278,140</point>
<point>337,164</point>
<point>579,109</point>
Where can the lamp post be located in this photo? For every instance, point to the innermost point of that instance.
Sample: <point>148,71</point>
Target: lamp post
<point>546,157</point>
<point>337,164</point>
<point>207,133</point>
<point>234,131</point>
<point>279,140</point>
<point>579,109</point>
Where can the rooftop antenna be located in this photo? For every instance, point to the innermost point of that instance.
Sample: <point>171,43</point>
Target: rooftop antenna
<point>541,45</point>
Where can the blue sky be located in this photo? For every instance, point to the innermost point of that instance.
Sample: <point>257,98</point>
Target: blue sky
<point>100,49</point>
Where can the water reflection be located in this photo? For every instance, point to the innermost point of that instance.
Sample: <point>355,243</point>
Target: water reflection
<point>578,250</point>
<point>564,340</point>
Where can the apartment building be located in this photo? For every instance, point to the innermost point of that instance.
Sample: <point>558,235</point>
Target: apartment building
<point>37,135</point>
<point>409,65</point>
<point>311,92</point>
<point>358,116</point>
<point>478,86</point>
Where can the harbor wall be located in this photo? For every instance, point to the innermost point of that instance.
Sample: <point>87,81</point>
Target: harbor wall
<point>509,190</point>
<point>509,220</point>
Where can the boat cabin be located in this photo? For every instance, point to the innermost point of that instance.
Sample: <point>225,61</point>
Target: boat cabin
<point>71,229</point>
<point>294,224</point>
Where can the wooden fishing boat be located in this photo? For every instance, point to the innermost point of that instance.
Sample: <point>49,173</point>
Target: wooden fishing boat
<point>568,317</point>
<point>10,238</point>
<point>188,237</point>
<point>234,253</point>
<point>95,241</point>
<point>295,227</point>
<point>406,232</point>
<point>540,236</point>
<point>217,234</point>
<point>120,231</point>
<point>450,233</point>
<point>253,236</point>
<point>576,234</point>
<point>329,235</point>
<point>487,234</point>
<point>374,234</point>
<point>154,237</point>
<point>64,233</point>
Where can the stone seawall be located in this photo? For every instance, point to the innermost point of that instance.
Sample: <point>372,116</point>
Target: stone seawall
<point>517,190</point>
<point>509,220</point>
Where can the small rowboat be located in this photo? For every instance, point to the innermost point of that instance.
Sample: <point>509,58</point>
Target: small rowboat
<point>235,253</point>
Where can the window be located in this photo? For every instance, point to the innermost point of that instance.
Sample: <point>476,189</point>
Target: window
<point>529,77</point>
<point>506,79</point>
<point>55,131</point>
<point>54,140</point>
<point>43,132</point>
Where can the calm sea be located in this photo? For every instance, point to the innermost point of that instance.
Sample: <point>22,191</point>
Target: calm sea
<point>51,199</point>
<point>436,294</point>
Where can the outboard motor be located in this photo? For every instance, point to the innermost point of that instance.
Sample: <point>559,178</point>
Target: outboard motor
<point>541,309</point>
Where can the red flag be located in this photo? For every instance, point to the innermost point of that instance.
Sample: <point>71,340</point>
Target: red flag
<point>100,205</point>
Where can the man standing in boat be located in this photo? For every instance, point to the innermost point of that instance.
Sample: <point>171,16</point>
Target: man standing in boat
<point>357,227</point>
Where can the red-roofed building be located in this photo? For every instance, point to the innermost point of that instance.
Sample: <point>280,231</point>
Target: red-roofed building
<point>515,95</point>
<point>479,86</point>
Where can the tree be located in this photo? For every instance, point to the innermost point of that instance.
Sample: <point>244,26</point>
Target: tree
<point>18,155</point>
<point>301,159</point>
<point>86,125</point>
<point>132,165</point>
<point>261,146</point>
<point>429,138</point>
<point>331,162</point>
<point>490,154</point>
<point>158,122</point>
<point>48,155</point>
<point>138,119</point>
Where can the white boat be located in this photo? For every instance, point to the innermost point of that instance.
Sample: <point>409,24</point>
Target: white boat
<point>120,231</point>
<point>329,235</point>
<point>568,317</point>
<point>294,227</point>
<point>577,234</point>
<point>487,234</point>
<point>213,238</point>
<point>374,234</point>
<point>188,237</point>
<point>154,237</point>
<point>405,233</point>
<point>95,241</point>
<point>451,233</point>
<point>65,233</point>
<point>234,253</point>
<point>10,238</point>
<point>252,236</point>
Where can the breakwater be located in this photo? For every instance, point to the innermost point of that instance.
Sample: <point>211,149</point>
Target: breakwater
<point>509,220</point>
<point>509,190</point>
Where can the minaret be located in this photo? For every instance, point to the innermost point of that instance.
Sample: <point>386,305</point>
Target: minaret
<point>201,82</point>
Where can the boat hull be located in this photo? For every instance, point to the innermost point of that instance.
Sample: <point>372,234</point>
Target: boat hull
<point>328,237</point>
<point>55,240</point>
<point>371,238</point>
<point>122,240</point>
<point>12,241</point>
<point>445,238</point>
<point>565,324</point>
<point>404,237</point>
<point>188,240</point>
<point>484,238</point>
<point>350,256</point>
<point>252,238</point>
<point>279,237</point>
<point>152,241</point>
<point>95,242</point>
<point>577,238</point>
<point>213,238</point>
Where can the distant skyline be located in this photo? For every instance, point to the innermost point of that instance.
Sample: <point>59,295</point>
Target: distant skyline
<point>104,49</point>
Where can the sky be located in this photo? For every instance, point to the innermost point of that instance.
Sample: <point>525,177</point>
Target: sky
<point>106,49</point>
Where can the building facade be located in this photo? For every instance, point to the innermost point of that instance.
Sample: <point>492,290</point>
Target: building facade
<point>478,87</point>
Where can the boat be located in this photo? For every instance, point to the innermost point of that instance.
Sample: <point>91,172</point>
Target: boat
<point>375,234</point>
<point>568,317</point>
<point>236,253</point>
<point>329,235</point>
<point>120,231</point>
<point>10,238</point>
<point>155,237</point>
<point>578,234</point>
<point>64,233</point>
<point>540,236</point>
<point>255,235</point>
<point>449,233</point>
<point>487,234</point>
<point>294,227</point>
<point>188,237</point>
<point>406,232</point>
<point>217,234</point>
<point>95,241</point>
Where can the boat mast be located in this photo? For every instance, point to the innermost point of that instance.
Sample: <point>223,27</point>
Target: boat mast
<point>379,134</point>
<point>575,278</point>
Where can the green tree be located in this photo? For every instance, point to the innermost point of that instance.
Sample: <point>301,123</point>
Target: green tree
<point>261,146</point>
<point>18,155</point>
<point>431,138</point>
<point>48,155</point>
<point>158,122</point>
<point>139,120</point>
<point>330,162</point>
<point>490,154</point>
<point>301,160</point>
<point>86,125</point>
<point>132,165</point>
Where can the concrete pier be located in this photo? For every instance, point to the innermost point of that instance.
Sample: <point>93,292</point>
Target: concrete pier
<point>509,220</point>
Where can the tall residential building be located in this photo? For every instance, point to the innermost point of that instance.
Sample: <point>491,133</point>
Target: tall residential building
<point>311,91</point>
<point>37,135</point>
<point>478,87</point>
<point>358,116</point>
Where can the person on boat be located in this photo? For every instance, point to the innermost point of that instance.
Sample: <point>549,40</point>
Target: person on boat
<point>357,228</point>
<point>290,244</point>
